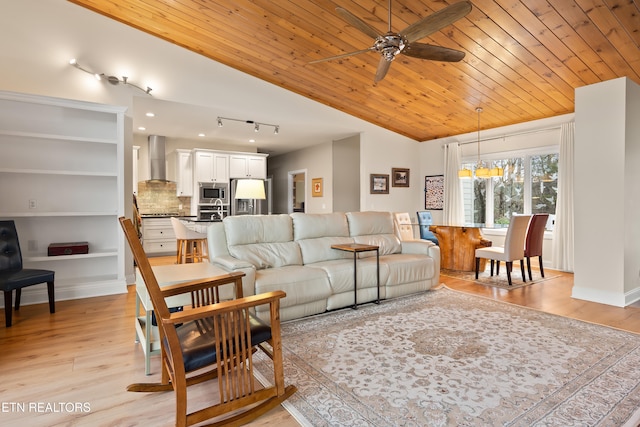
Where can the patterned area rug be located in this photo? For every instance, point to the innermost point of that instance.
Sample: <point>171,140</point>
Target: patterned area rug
<point>500,280</point>
<point>444,358</point>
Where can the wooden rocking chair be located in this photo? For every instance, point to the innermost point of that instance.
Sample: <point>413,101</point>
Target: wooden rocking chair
<point>220,336</point>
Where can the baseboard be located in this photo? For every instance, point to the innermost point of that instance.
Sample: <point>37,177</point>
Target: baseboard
<point>37,294</point>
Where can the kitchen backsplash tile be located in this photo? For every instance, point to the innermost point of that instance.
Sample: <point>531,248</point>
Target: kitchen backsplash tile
<point>158,197</point>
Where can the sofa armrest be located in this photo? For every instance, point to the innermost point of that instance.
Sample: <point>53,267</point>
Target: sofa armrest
<point>233,265</point>
<point>230,263</point>
<point>416,246</point>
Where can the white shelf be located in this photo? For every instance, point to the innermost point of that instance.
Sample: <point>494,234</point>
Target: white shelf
<point>54,214</point>
<point>38,135</point>
<point>58,172</point>
<point>64,161</point>
<point>57,258</point>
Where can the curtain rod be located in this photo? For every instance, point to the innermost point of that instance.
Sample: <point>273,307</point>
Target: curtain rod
<point>526,132</point>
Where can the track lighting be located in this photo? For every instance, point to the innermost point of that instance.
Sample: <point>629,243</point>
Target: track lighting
<point>256,125</point>
<point>111,79</point>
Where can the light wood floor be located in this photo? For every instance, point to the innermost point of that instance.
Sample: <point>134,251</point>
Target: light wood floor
<point>85,354</point>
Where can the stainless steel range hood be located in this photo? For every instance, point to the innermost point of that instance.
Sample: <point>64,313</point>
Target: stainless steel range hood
<point>157,163</point>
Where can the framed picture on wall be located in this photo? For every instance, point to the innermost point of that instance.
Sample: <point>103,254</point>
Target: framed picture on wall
<point>434,192</point>
<point>400,177</point>
<point>379,184</point>
<point>316,187</point>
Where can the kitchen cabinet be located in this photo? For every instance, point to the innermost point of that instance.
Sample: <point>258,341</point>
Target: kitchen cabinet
<point>180,170</point>
<point>211,166</point>
<point>62,174</point>
<point>158,237</point>
<point>247,166</point>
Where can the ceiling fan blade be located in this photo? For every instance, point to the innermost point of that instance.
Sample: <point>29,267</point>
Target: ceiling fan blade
<point>344,55</point>
<point>357,22</point>
<point>383,67</point>
<point>434,53</point>
<point>436,21</point>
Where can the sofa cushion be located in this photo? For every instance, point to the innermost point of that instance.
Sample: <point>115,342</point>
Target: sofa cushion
<point>374,228</point>
<point>246,229</point>
<point>302,284</point>
<point>319,249</point>
<point>266,241</point>
<point>310,226</point>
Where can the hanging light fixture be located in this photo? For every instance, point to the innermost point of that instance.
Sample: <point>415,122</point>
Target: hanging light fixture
<point>481,170</point>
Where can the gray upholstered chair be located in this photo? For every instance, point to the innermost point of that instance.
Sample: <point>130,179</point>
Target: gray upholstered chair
<point>13,276</point>
<point>512,250</point>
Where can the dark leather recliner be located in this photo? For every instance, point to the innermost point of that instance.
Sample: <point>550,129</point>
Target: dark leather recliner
<point>424,221</point>
<point>13,276</point>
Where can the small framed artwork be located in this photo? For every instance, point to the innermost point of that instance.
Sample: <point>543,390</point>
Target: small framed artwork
<point>379,184</point>
<point>316,187</point>
<point>434,192</point>
<point>400,177</point>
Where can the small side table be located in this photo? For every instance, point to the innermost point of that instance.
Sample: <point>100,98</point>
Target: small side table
<point>146,333</point>
<point>356,248</point>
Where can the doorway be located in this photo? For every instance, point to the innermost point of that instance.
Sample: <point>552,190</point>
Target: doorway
<point>297,196</point>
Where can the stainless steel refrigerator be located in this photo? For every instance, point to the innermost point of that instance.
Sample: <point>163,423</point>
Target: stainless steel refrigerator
<point>251,206</point>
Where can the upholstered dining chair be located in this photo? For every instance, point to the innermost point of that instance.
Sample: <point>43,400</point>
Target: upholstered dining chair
<point>534,240</point>
<point>214,339</point>
<point>191,244</point>
<point>424,221</point>
<point>404,229</point>
<point>513,249</point>
<point>13,276</point>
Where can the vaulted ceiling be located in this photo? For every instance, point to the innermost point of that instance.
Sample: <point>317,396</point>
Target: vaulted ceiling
<point>523,58</point>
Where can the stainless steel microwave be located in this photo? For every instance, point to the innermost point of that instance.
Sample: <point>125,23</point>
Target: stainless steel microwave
<point>209,192</point>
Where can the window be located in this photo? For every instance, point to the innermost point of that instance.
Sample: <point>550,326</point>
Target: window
<point>529,185</point>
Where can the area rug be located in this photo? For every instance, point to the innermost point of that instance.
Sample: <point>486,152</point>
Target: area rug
<point>499,280</point>
<point>444,358</point>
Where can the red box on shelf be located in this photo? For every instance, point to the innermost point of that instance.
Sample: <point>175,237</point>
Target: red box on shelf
<point>71,248</point>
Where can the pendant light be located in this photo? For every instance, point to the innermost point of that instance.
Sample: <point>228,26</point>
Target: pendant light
<point>481,170</point>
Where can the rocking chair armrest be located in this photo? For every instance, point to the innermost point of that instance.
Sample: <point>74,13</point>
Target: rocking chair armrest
<point>204,283</point>
<point>225,306</point>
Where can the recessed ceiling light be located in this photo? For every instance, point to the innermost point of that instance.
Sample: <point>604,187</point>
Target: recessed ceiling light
<point>252,140</point>
<point>201,134</point>
<point>150,115</point>
<point>142,128</point>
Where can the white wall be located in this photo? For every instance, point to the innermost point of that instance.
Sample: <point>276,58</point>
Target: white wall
<point>378,155</point>
<point>607,194</point>
<point>317,161</point>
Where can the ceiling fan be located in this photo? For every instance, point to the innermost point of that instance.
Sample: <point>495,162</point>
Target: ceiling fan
<point>391,44</point>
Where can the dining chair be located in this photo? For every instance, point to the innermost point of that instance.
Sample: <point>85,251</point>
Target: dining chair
<point>403,226</point>
<point>534,240</point>
<point>424,221</point>
<point>13,276</point>
<point>513,249</point>
<point>214,340</point>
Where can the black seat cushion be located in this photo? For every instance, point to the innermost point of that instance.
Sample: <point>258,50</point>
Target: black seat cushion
<point>15,279</point>
<point>198,342</point>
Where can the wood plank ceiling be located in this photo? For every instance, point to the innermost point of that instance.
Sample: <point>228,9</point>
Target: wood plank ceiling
<point>524,58</point>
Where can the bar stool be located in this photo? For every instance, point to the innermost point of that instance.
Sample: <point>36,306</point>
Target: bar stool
<point>191,244</point>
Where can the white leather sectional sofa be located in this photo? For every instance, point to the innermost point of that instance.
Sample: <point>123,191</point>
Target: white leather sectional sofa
<point>293,253</point>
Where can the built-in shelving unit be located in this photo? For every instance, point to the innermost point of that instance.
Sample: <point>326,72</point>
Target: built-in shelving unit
<point>62,178</point>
